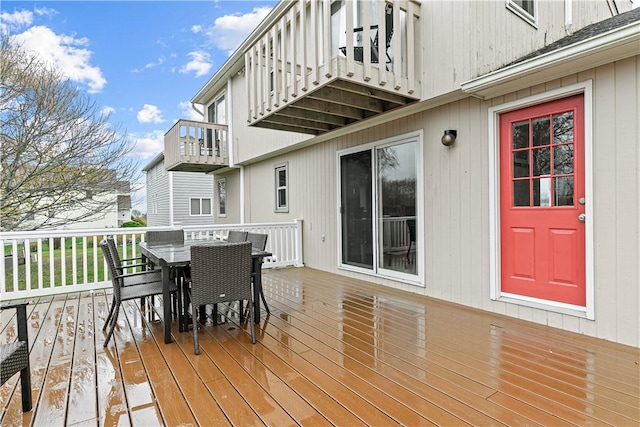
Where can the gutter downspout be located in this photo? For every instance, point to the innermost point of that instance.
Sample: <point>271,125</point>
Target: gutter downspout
<point>193,106</point>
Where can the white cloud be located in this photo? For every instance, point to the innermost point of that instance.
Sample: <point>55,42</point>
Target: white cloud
<point>15,20</point>
<point>150,114</point>
<point>227,32</point>
<point>106,110</point>
<point>147,145</point>
<point>161,60</point>
<point>200,63</point>
<point>186,112</point>
<point>67,53</point>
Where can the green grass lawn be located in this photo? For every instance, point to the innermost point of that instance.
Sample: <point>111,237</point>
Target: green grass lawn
<point>91,269</point>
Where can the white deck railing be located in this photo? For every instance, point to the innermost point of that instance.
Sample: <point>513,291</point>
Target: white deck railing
<point>31,269</point>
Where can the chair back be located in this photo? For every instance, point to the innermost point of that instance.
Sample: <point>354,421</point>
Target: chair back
<point>258,241</point>
<point>164,237</point>
<point>113,253</point>
<point>236,236</point>
<point>114,270</point>
<point>220,273</point>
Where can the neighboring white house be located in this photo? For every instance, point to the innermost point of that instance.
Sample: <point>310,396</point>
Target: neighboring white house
<point>177,198</point>
<point>482,152</point>
<point>116,211</point>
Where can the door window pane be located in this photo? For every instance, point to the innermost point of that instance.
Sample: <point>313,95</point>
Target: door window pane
<point>520,133</point>
<point>541,131</point>
<point>542,192</point>
<point>563,159</point>
<point>521,193</point>
<point>356,209</point>
<point>541,162</point>
<point>397,182</point>
<point>521,164</point>
<point>563,127</point>
<point>563,191</point>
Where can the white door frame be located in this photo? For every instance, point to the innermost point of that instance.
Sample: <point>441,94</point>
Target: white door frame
<point>494,201</point>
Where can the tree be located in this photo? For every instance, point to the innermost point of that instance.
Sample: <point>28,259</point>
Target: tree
<point>61,160</point>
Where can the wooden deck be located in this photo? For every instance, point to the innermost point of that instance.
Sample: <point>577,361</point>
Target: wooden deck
<point>334,351</point>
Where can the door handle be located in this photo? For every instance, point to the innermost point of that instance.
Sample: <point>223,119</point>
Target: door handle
<point>582,217</point>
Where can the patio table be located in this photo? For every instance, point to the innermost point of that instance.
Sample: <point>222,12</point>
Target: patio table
<point>171,256</point>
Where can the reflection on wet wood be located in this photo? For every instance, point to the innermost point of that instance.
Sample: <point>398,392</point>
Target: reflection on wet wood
<point>334,351</point>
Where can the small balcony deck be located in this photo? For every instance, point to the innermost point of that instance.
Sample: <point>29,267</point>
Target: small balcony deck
<point>192,146</point>
<point>324,65</point>
<point>334,351</point>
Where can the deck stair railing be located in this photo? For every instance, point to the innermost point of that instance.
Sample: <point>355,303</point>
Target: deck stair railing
<point>49,262</point>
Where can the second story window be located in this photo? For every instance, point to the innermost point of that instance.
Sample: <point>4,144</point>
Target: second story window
<point>200,207</point>
<point>282,188</point>
<point>222,197</point>
<point>526,9</point>
<point>216,113</point>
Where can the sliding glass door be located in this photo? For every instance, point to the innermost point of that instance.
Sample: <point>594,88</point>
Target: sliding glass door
<point>379,199</point>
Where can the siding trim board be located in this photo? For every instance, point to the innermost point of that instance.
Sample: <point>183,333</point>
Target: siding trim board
<point>587,312</point>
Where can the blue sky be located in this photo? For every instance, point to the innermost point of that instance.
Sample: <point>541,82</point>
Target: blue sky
<point>140,60</point>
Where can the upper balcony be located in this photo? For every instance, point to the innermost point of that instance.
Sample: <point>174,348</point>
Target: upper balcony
<point>192,146</point>
<point>325,64</point>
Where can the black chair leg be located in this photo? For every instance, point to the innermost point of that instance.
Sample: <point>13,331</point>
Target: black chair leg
<point>25,382</point>
<point>114,320</point>
<point>108,319</point>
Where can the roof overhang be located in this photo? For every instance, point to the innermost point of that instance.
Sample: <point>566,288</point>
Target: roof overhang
<point>157,159</point>
<point>615,45</point>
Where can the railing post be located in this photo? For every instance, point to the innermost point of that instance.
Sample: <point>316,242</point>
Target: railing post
<point>298,244</point>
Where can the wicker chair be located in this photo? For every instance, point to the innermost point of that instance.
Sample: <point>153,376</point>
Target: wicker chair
<point>14,357</point>
<point>236,236</point>
<point>130,286</point>
<point>259,241</point>
<point>164,237</point>
<point>219,273</point>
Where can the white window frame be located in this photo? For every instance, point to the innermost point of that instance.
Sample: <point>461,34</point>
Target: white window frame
<point>277,168</point>
<point>522,13</point>
<point>222,204</point>
<point>201,203</point>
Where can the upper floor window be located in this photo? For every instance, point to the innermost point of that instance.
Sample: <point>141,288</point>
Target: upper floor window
<point>200,206</point>
<point>222,197</point>
<point>526,9</point>
<point>282,188</point>
<point>217,111</point>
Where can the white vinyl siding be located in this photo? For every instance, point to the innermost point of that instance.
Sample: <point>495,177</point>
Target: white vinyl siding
<point>188,186</point>
<point>158,199</point>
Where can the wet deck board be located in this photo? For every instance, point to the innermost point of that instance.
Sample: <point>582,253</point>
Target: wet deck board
<point>334,351</point>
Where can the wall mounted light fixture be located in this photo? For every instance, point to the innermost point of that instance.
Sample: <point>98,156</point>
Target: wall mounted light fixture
<point>449,137</point>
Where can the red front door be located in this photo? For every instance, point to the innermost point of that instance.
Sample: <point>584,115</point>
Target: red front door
<point>542,231</point>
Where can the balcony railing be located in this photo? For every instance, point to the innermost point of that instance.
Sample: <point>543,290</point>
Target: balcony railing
<point>50,262</point>
<point>192,146</point>
<point>327,64</point>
